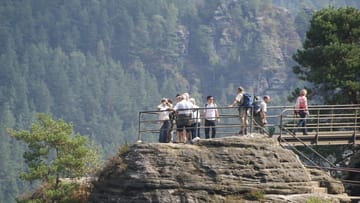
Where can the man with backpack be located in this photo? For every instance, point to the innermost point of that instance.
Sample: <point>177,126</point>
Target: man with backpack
<point>244,101</point>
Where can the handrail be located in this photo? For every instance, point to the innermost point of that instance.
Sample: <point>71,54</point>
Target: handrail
<point>326,118</point>
<point>322,119</point>
<point>325,121</point>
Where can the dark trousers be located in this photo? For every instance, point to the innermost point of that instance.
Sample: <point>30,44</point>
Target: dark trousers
<point>210,124</point>
<point>302,122</point>
<point>195,128</point>
<point>258,124</point>
<point>164,131</point>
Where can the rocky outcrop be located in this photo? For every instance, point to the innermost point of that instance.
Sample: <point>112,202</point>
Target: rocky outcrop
<point>217,170</point>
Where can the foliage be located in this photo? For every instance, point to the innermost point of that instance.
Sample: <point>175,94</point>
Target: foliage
<point>330,58</point>
<point>115,165</point>
<point>317,200</point>
<point>97,63</point>
<point>55,153</point>
<point>255,195</point>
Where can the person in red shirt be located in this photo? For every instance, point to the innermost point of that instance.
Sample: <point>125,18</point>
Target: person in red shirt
<point>301,108</point>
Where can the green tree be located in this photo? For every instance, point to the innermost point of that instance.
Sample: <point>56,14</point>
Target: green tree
<point>55,153</point>
<point>330,58</point>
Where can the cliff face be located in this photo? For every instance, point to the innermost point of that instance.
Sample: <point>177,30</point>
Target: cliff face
<point>217,170</point>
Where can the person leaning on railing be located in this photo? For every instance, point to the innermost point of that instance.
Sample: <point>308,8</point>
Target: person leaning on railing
<point>243,112</point>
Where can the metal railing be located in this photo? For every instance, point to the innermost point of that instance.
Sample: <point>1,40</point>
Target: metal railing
<point>323,120</point>
<point>332,124</point>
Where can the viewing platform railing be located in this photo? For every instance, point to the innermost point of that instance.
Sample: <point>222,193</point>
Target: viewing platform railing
<point>332,124</point>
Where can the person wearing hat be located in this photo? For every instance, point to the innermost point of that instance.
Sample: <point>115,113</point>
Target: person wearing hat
<point>243,112</point>
<point>164,107</point>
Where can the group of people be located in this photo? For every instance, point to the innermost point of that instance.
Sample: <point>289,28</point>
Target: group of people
<point>188,116</point>
<point>259,116</point>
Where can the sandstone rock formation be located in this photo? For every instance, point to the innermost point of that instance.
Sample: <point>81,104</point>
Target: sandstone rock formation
<point>230,169</point>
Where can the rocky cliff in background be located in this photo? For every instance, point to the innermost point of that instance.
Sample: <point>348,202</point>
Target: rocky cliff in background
<point>232,169</point>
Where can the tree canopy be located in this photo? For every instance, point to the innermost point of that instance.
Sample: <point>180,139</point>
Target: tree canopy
<point>330,58</point>
<point>98,63</point>
<point>54,152</point>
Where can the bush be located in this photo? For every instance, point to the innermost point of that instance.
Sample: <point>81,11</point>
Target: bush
<point>255,195</point>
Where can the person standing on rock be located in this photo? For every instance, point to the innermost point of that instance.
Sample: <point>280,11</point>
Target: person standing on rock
<point>211,116</point>
<point>195,126</point>
<point>183,119</point>
<point>243,112</point>
<point>164,107</point>
<point>260,114</point>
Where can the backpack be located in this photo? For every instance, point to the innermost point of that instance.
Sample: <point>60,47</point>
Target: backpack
<point>302,103</point>
<point>256,107</point>
<point>246,101</point>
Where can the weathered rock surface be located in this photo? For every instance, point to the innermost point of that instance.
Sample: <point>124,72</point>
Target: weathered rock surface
<point>217,170</point>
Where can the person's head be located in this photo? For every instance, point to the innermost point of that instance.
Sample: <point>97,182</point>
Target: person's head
<point>303,92</point>
<point>164,100</point>
<point>178,98</point>
<point>240,89</point>
<point>186,96</point>
<point>266,98</point>
<point>170,102</point>
<point>210,99</point>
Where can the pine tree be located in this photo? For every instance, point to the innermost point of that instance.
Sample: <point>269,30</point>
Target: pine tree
<point>54,152</point>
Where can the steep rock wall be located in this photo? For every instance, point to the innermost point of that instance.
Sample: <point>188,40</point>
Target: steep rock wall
<point>217,170</point>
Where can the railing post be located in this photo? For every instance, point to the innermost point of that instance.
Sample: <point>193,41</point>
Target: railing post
<point>332,118</point>
<point>139,134</point>
<point>318,122</point>
<point>281,123</point>
<point>196,123</point>
<point>251,119</point>
<point>355,125</point>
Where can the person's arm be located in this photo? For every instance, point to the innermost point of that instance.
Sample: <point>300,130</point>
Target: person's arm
<point>297,106</point>
<point>263,109</point>
<point>236,100</point>
<point>203,113</point>
<point>233,103</point>
<point>263,117</point>
<point>217,114</point>
<point>306,106</point>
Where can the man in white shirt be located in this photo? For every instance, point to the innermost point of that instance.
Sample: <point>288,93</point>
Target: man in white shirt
<point>211,115</point>
<point>183,121</point>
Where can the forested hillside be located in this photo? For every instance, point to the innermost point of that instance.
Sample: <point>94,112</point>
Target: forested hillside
<point>97,63</point>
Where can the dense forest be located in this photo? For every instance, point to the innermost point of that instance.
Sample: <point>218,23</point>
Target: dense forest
<point>97,63</point>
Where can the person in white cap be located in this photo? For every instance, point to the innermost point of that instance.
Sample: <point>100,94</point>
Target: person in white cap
<point>164,120</point>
